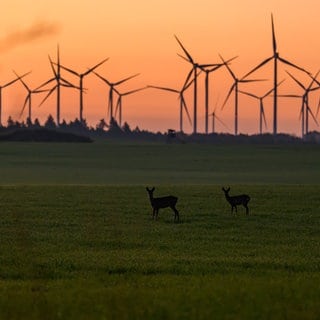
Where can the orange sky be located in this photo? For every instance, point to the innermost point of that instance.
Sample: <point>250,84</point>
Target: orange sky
<point>138,36</point>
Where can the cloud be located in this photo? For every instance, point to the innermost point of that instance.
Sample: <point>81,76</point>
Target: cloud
<point>37,31</point>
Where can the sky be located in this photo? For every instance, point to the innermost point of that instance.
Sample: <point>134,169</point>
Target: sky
<point>138,37</point>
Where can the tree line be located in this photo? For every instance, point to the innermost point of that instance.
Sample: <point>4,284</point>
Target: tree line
<point>22,131</point>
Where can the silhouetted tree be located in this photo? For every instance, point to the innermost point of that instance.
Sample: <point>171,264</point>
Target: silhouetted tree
<point>114,127</point>
<point>101,125</point>
<point>50,124</point>
<point>63,124</point>
<point>10,122</point>
<point>37,123</point>
<point>126,128</point>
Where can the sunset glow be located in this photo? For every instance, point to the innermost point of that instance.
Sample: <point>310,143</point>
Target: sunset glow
<point>138,37</point>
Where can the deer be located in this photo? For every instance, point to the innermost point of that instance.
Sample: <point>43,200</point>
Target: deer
<point>235,201</point>
<point>163,202</point>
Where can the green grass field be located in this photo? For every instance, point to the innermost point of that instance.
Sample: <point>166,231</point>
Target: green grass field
<point>78,241</point>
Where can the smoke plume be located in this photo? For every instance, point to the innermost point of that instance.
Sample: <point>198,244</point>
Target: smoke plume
<point>36,31</point>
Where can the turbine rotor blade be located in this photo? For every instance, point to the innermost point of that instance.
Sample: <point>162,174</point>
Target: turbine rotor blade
<point>292,65</point>
<point>227,66</point>
<point>45,83</point>
<point>217,118</point>
<point>269,92</point>
<point>314,79</point>
<point>133,91</point>
<point>102,78</point>
<point>263,115</point>
<point>66,83</point>
<point>184,50</point>
<point>14,80</point>
<point>258,67</point>
<point>21,80</point>
<point>69,70</point>
<point>185,108</point>
<point>25,103</point>
<point>312,115</point>
<point>289,96</point>
<point>274,42</point>
<point>184,58</point>
<point>249,94</point>
<point>228,95</point>
<point>251,80</point>
<point>186,83</point>
<point>296,80</point>
<point>117,105</point>
<point>164,88</point>
<point>95,66</point>
<point>126,79</point>
<point>47,96</point>
<point>53,69</point>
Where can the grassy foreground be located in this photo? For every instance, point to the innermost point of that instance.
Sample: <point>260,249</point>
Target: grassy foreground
<point>77,240</point>
<point>93,252</point>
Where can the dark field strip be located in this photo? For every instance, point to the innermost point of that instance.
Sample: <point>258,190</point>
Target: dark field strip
<point>83,252</point>
<point>102,163</point>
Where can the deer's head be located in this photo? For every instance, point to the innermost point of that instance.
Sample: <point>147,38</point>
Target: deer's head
<point>226,191</point>
<point>150,191</point>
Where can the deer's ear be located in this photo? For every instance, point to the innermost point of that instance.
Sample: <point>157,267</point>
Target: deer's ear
<point>147,189</point>
<point>153,189</point>
<point>228,189</point>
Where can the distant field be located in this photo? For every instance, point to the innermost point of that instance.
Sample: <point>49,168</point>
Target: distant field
<point>78,241</point>
<point>106,163</point>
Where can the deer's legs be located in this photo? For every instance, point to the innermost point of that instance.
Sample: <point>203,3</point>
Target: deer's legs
<point>247,208</point>
<point>176,214</point>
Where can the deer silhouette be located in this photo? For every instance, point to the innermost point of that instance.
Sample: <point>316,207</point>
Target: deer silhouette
<point>163,202</point>
<point>235,201</point>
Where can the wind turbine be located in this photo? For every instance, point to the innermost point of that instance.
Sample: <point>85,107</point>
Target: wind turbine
<point>183,105</point>
<point>214,118</point>
<point>275,57</point>
<point>262,118</point>
<point>235,87</point>
<point>305,108</point>
<point>4,86</point>
<point>28,97</point>
<point>81,76</point>
<point>207,72</point>
<point>119,101</point>
<point>112,86</point>
<point>59,82</point>
<point>193,71</point>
